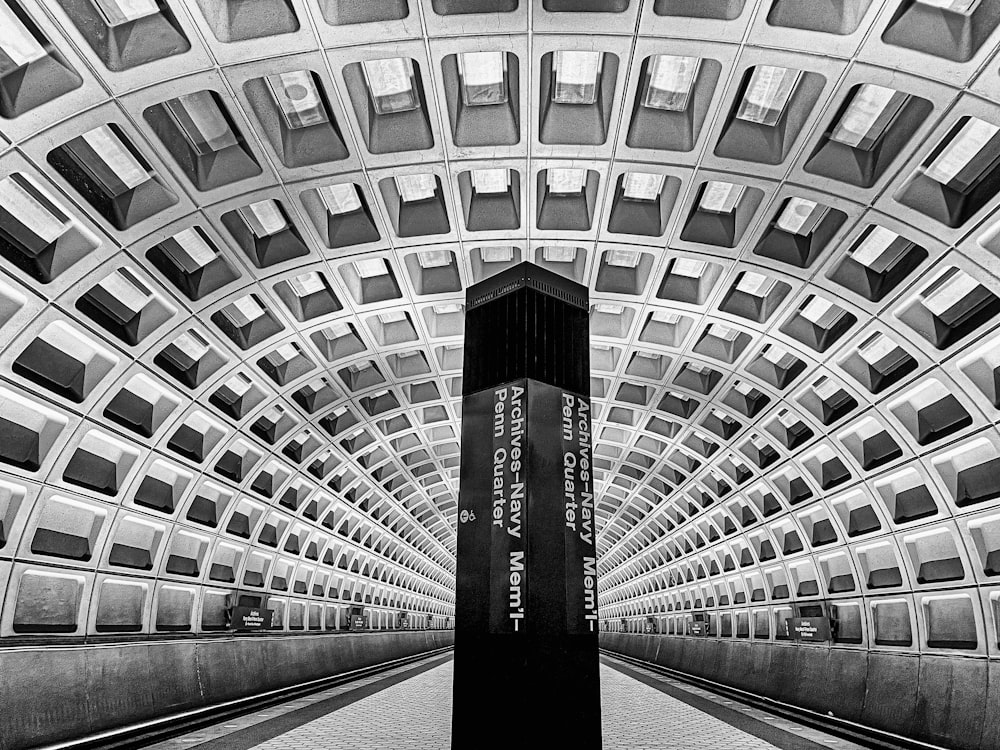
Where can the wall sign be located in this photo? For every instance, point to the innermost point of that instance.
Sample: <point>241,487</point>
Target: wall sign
<point>809,629</point>
<point>251,618</point>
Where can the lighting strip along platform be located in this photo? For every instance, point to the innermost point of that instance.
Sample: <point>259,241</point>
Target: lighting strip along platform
<point>166,727</point>
<point>842,728</point>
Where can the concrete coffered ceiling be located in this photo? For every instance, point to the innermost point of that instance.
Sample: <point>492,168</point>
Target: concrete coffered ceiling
<point>235,240</point>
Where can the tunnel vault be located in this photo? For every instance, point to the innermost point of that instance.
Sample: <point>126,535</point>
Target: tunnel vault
<point>235,240</point>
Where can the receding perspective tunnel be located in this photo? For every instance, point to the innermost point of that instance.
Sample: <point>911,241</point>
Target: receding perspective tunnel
<point>236,238</point>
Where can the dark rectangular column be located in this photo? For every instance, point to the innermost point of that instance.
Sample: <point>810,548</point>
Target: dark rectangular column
<point>526,654</point>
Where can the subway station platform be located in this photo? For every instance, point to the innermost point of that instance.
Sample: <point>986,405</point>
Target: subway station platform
<point>410,708</point>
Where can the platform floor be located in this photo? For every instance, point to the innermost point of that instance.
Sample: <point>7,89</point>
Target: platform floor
<point>409,708</point>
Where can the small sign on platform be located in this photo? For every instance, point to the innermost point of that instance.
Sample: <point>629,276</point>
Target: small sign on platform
<point>809,629</point>
<point>359,622</point>
<point>251,618</point>
<point>699,628</point>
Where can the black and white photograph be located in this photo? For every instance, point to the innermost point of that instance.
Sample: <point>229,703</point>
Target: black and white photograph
<point>500,374</point>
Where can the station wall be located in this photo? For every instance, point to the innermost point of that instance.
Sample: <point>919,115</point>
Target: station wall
<point>943,700</point>
<point>58,693</point>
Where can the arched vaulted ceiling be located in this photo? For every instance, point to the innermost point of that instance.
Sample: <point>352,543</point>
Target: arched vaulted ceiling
<point>235,239</point>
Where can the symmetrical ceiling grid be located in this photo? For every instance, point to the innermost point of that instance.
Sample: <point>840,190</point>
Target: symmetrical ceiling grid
<point>236,236</point>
